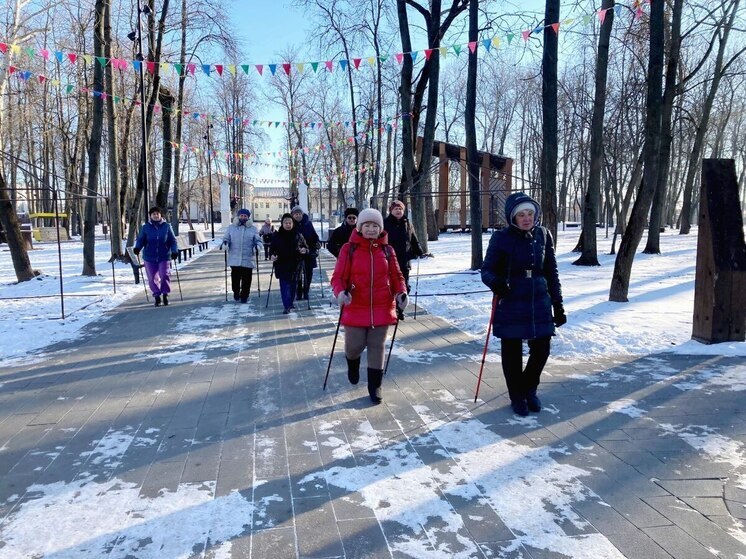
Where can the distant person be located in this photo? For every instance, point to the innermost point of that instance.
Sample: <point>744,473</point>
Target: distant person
<point>342,233</point>
<point>368,285</point>
<point>158,245</point>
<point>306,228</point>
<point>521,269</point>
<point>287,252</point>
<point>403,239</point>
<point>266,232</point>
<point>241,239</point>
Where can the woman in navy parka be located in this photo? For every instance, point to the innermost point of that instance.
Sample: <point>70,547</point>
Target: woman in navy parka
<point>521,269</point>
<point>158,244</point>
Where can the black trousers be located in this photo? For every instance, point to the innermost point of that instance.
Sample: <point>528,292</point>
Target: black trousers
<point>241,281</point>
<point>521,381</point>
<point>305,276</point>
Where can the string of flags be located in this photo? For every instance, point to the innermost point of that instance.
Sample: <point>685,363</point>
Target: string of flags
<point>310,177</point>
<point>192,69</point>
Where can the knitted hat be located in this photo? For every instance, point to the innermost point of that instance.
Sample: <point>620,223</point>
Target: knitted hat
<point>369,214</point>
<point>244,211</point>
<point>286,215</point>
<point>397,203</point>
<point>296,209</point>
<point>523,206</point>
<point>351,211</point>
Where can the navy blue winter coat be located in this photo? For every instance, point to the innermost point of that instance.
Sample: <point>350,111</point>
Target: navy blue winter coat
<point>157,241</point>
<point>306,228</point>
<point>522,265</point>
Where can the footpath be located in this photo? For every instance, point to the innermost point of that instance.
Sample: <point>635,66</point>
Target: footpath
<point>201,430</point>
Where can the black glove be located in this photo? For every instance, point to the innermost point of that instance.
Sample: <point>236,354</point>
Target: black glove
<point>501,289</point>
<point>174,255</point>
<point>560,317</point>
<point>136,251</point>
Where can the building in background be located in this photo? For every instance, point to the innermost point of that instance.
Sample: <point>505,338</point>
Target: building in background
<point>194,198</point>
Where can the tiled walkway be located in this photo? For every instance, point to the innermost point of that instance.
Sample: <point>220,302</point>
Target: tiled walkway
<point>201,430</point>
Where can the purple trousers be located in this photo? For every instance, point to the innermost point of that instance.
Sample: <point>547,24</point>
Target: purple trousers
<point>159,277</point>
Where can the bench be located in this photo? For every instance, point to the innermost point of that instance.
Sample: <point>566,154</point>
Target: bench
<point>200,240</point>
<point>186,250</point>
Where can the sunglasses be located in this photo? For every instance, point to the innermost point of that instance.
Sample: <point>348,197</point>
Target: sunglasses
<point>353,217</point>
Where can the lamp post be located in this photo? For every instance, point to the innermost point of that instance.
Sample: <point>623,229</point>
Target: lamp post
<point>209,179</point>
<point>144,10</point>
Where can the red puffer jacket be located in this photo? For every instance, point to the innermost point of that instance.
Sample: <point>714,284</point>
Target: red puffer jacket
<point>372,278</point>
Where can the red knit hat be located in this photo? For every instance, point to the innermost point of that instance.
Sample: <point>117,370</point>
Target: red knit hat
<point>396,203</point>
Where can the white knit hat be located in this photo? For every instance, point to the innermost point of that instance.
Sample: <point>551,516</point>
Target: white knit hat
<point>369,214</point>
<point>527,205</point>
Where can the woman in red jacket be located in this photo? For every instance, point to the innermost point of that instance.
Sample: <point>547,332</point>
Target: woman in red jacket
<point>368,285</point>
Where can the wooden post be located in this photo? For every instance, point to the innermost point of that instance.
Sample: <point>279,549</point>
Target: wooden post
<point>486,175</point>
<point>720,280</point>
<point>464,175</point>
<point>442,186</point>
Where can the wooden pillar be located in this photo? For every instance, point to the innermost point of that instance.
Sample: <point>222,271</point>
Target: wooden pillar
<point>442,186</point>
<point>485,172</point>
<point>464,187</point>
<point>720,280</point>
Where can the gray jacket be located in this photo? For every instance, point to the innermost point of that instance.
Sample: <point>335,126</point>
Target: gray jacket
<point>242,241</point>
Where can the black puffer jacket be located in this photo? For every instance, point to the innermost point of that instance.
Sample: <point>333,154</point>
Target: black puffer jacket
<point>521,265</point>
<point>339,237</point>
<point>403,239</point>
<point>286,246</point>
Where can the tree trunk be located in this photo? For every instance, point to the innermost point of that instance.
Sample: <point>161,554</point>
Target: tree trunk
<point>589,255</point>
<point>115,209</point>
<point>94,147</point>
<point>175,217</point>
<point>549,118</point>
<point>632,235</point>
<point>470,129</point>
<point>653,245</point>
<point>12,229</point>
<point>167,104</point>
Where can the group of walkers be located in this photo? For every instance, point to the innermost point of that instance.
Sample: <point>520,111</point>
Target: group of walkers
<point>370,281</point>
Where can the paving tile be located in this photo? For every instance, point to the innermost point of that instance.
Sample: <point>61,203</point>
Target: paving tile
<point>677,543</point>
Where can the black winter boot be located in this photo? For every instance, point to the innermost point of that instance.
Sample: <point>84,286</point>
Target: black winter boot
<point>532,401</point>
<point>353,370</point>
<point>519,407</point>
<point>165,300</point>
<point>157,300</point>
<point>375,378</point>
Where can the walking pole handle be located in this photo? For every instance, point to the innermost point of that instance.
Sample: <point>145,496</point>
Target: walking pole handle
<point>486,343</point>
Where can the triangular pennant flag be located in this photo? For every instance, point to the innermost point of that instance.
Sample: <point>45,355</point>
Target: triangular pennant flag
<point>286,67</point>
<point>277,124</point>
<point>260,69</point>
<point>618,9</point>
<point>329,65</point>
<point>538,29</point>
<point>150,66</point>
<point>638,13</point>
<point>356,63</point>
<point>219,69</point>
<point>72,57</point>
<point>343,64</point>
<point>413,55</point>
<point>101,60</point>
<point>399,57</point>
<point>472,46</point>
<point>245,68</point>
<point>179,68</point>
<point>31,52</point>
<point>555,26</point>
<point>602,15</point>
<point>41,78</point>
<point>457,49</point>
<point>15,48</point>
<point>191,68</point>
<point>3,47</point>
<point>44,54</point>
<point>88,58</point>
<point>315,66</point>
<point>371,60</point>
<point>300,66</point>
<point>206,69</point>
<point>164,66</point>
<point>383,58</point>
<point>586,19</point>
<point>443,52</point>
<point>56,83</point>
<point>69,88</point>
<point>568,21</point>
<point>137,65</point>
<point>272,68</point>
<point>232,69</point>
<point>25,75</point>
<point>525,34</point>
<point>510,37</point>
<point>487,44</point>
<point>58,55</point>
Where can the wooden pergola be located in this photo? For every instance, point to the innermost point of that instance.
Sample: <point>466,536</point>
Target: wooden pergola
<point>495,179</point>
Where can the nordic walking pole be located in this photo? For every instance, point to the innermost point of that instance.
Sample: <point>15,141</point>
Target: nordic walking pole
<point>416,286</point>
<point>225,257</point>
<point>321,278</point>
<point>271,274</point>
<point>144,286</point>
<point>334,343</point>
<point>258,284</point>
<point>486,343</point>
<point>178,281</point>
<point>393,337</point>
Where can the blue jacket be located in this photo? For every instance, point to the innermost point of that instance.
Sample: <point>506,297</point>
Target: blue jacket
<point>242,241</point>
<point>157,241</point>
<point>523,266</point>
<point>306,228</point>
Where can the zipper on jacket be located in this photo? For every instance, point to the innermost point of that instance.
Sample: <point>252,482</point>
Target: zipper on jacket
<point>372,276</point>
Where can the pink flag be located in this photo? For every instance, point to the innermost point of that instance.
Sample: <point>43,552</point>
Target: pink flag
<point>555,26</point>
<point>526,35</point>
<point>428,53</point>
<point>399,57</point>
<point>329,65</point>
<point>356,63</point>
<point>72,57</point>
<point>219,69</point>
<point>260,69</point>
<point>191,68</point>
<point>473,46</point>
<point>286,67</point>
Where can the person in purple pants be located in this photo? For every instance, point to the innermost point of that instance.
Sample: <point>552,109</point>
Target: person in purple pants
<point>158,245</point>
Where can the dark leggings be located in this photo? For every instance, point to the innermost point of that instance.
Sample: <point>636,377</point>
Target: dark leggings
<point>521,381</point>
<point>241,281</point>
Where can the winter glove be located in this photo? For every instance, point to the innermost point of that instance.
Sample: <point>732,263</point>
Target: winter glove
<point>344,298</point>
<point>560,317</point>
<point>402,300</point>
<point>501,289</point>
<point>136,251</point>
<point>174,255</point>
